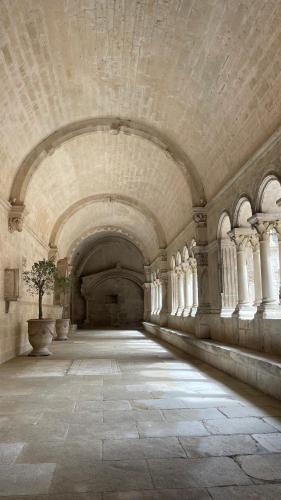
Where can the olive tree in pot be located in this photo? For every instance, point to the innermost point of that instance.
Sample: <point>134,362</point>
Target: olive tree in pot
<point>40,281</point>
<point>63,325</point>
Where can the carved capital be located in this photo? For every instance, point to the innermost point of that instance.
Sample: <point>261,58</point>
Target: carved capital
<point>16,217</point>
<point>264,223</point>
<point>255,242</point>
<point>200,218</point>
<point>193,264</point>
<point>241,237</point>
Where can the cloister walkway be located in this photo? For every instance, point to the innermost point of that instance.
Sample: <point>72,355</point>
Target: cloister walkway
<point>118,415</point>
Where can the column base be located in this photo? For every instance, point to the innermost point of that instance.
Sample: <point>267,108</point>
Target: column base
<point>227,313</point>
<point>179,311</point>
<point>186,312</point>
<point>194,311</point>
<point>245,311</point>
<point>269,311</point>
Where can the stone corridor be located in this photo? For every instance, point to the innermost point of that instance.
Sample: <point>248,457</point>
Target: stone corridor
<point>117,415</point>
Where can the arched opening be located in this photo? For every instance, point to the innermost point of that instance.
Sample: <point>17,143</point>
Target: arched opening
<point>227,267</point>
<point>268,195</point>
<point>107,283</point>
<point>248,260</point>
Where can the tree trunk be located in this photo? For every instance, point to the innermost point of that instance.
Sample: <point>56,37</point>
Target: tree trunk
<point>40,306</point>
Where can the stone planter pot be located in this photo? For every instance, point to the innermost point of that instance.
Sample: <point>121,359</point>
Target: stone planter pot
<point>40,335</point>
<point>62,329</point>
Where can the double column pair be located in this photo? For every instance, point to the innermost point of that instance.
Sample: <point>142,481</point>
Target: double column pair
<point>259,241</point>
<point>186,284</point>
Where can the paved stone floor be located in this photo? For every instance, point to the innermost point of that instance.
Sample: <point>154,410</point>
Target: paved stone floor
<point>117,415</point>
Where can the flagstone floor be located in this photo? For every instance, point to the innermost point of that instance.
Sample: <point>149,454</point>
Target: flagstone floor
<point>117,415</point>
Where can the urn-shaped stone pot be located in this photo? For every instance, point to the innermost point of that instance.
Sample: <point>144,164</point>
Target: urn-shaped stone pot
<point>62,329</point>
<point>40,335</point>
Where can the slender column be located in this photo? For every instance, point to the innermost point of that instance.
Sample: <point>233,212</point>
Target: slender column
<point>170,291</point>
<point>157,285</point>
<point>266,267</point>
<point>241,238</point>
<point>257,269</point>
<point>228,277</point>
<point>180,292</point>
<point>152,298</point>
<point>187,294</point>
<point>278,231</point>
<point>264,223</point>
<point>164,307</point>
<point>193,264</point>
<point>160,297</point>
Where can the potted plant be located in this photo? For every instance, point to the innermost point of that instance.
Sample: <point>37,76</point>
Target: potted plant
<point>40,280</point>
<point>62,284</point>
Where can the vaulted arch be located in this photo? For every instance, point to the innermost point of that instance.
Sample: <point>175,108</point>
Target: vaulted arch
<point>91,200</point>
<point>113,125</point>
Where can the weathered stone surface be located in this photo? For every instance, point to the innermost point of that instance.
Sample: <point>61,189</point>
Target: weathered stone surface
<point>211,446</point>
<point>266,467</point>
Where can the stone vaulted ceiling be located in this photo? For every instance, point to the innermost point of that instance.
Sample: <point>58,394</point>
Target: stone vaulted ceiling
<point>195,84</point>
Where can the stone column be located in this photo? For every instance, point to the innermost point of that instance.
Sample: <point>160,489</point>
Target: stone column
<point>180,282</point>
<point>257,269</point>
<point>188,292</point>
<point>193,264</point>
<point>241,238</point>
<point>228,262</point>
<point>270,307</point>
<point>164,298</point>
<point>278,231</point>
<point>266,268</point>
<point>157,289</point>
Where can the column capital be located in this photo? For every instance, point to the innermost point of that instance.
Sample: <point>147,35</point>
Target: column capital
<point>16,218</point>
<point>193,263</point>
<point>200,221</point>
<point>186,266</point>
<point>255,242</point>
<point>241,237</point>
<point>264,223</point>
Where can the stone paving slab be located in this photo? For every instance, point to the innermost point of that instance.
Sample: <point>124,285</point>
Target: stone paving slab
<point>196,447</point>
<point>183,494</point>
<point>205,472</point>
<point>271,442</point>
<point>266,467</point>
<point>26,479</point>
<point>9,452</point>
<point>250,425</point>
<point>102,476</point>
<point>151,429</point>
<point>254,492</point>
<point>125,449</point>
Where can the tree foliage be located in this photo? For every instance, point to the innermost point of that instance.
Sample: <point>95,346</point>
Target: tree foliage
<point>40,280</point>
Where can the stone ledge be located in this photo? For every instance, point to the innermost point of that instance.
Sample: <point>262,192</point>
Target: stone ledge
<point>261,370</point>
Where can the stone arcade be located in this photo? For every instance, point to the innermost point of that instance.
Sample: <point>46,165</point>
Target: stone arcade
<point>141,151</point>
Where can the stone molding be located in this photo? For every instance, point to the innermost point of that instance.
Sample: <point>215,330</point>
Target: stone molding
<point>16,218</point>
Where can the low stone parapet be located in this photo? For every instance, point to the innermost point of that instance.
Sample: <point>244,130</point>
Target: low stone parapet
<point>260,370</point>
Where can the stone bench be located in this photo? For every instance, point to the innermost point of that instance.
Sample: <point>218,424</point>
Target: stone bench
<point>260,370</point>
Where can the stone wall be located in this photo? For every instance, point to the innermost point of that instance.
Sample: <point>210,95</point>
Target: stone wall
<point>18,250</point>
